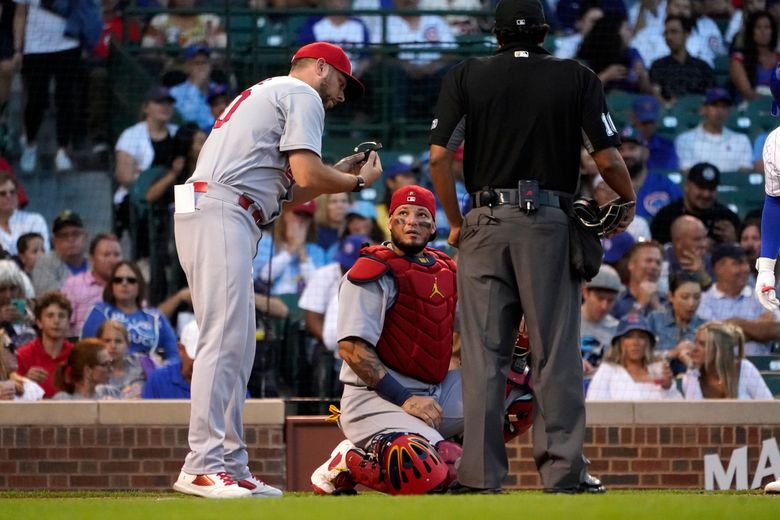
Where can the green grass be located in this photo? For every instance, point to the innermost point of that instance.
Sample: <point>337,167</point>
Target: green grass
<point>519,505</point>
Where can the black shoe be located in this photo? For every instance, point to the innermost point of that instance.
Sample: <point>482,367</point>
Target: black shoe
<point>456,488</point>
<point>590,485</point>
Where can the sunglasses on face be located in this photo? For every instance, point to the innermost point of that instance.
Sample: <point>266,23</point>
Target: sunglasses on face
<point>132,280</point>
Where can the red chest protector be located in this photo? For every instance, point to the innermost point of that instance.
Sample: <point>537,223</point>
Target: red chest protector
<point>416,338</point>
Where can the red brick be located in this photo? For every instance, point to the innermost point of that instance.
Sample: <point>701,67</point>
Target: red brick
<point>277,439</point>
<point>600,435</point>
<point>59,481</point>
<point>150,481</point>
<point>151,466</point>
<point>649,466</point>
<point>74,436</point>
<point>626,435</point>
<point>61,436</point>
<point>22,439</point>
<point>26,453</point>
<point>619,451</point>
<point>530,481</point>
<point>618,465</point>
<point>88,437</point>
<point>681,465</point>
<point>150,453</point>
<point>680,453</point>
<point>519,466</point>
<point>120,453</point>
<point>88,467</point>
<point>126,466</point>
<point>620,480</point>
<point>511,452</point>
<point>592,452</point>
<point>648,452</point>
<point>142,437</point>
<point>27,481</point>
<point>753,437</point>
<point>640,435</point>
<point>2,481</point>
<point>7,466</point>
<point>89,453</point>
<point>179,453</point>
<point>690,435</point>
<point>88,481</point>
<point>728,435</point>
<point>648,480</point>
<point>48,466</point>
<point>35,436</point>
<point>182,437</point>
<point>652,435</point>
<point>677,436</point>
<point>681,480</point>
<point>172,466</point>
<point>599,465</point>
<point>703,436</point>
<point>155,436</point>
<point>526,453</point>
<point>169,437</point>
<point>697,465</point>
<point>58,453</point>
<point>128,436</point>
<point>27,466</point>
<point>115,437</point>
<point>119,481</point>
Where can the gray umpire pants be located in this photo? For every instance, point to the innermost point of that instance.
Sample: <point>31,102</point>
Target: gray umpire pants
<point>512,264</point>
<point>216,244</point>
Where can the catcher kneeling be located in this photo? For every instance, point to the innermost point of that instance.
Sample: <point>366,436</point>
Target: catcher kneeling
<point>401,405</point>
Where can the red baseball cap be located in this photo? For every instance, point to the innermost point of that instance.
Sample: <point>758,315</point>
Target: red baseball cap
<point>336,58</point>
<point>413,195</point>
<point>307,208</point>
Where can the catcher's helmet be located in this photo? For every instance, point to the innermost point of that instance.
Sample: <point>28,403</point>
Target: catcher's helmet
<point>612,213</point>
<point>774,86</point>
<point>411,466</point>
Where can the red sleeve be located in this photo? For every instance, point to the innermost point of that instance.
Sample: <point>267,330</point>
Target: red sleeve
<point>23,361</point>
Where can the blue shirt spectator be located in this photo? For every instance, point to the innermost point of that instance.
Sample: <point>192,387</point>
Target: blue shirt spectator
<point>167,383</point>
<point>192,95</point>
<point>656,192</point>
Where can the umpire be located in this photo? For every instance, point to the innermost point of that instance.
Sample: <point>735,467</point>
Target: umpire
<point>526,114</point>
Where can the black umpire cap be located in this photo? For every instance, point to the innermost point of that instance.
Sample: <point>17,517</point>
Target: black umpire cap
<point>519,13</point>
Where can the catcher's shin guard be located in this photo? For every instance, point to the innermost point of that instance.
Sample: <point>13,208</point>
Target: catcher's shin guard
<point>399,464</point>
<point>519,404</point>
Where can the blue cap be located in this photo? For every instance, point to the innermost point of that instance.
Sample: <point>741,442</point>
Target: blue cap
<point>349,250</point>
<point>216,89</point>
<point>617,246</point>
<point>397,168</point>
<point>726,250</point>
<point>362,208</point>
<point>715,94</point>
<point>646,108</point>
<point>197,48</point>
<point>633,322</point>
<point>774,87</point>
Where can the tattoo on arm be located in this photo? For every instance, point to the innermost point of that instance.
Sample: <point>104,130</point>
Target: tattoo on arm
<point>362,358</point>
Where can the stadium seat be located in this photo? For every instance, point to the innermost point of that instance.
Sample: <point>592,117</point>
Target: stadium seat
<point>741,192</point>
<point>619,104</point>
<point>769,363</point>
<point>772,380</point>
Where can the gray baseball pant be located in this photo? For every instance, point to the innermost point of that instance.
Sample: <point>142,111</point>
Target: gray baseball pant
<point>216,244</point>
<point>512,264</point>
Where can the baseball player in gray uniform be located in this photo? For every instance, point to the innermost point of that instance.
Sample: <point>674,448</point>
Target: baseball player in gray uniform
<point>264,150</point>
<point>396,311</point>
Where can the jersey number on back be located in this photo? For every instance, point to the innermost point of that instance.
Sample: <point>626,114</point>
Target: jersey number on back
<point>224,117</point>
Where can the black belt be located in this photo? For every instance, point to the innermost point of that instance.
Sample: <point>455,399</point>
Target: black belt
<point>511,197</point>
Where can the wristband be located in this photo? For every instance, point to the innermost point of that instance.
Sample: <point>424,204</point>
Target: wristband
<point>391,390</point>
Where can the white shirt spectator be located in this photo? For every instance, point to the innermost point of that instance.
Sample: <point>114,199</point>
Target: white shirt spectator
<point>22,222</point>
<point>432,31</point>
<point>321,296</point>
<point>705,42</point>
<point>352,34</point>
<point>44,31</point>
<point>566,47</point>
<point>135,141</point>
<point>614,383</point>
<point>651,20</point>
<point>751,384</point>
<point>729,150</point>
<point>715,305</point>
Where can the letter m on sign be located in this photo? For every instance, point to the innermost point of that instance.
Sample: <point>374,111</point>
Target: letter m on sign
<point>714,472</point>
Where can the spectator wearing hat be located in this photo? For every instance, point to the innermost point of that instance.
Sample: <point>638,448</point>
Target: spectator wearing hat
<point>645,113</point>
<point>179,29</point>
<point>218,97</point>
<point>286,263</point>
<point>732,299</point>
<point>68,256</point>
<point>629,371</point>
<point>616,250</point>
<point>642,294</point>
<point>653,190</point>
<point>146,144</point>
<point>15,222</point>
<point>362,220</point>
<point>320,304</point>
<point>397,175</point>
<point>679,73</point>
<point>711,141</point>
<point>192,95</point>
<point>700,200</point>
<point>598,297</point>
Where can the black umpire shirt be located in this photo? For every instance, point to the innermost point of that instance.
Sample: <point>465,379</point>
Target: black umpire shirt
<point>527,113</point>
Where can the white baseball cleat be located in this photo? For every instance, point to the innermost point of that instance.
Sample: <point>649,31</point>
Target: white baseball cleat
<point>258,488</point>
<point>211,485</point>
<point>773,487</point>
<point>333,475</point>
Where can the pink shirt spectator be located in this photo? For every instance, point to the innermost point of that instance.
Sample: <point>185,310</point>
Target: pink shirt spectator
<point>84,291</point>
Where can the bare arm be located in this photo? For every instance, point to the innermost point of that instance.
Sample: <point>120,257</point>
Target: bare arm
<point>164,183</point>
<point>740,79</point>
<point>441,174</point>
<point>126,168</point>
<point>314,323</point>
<point>168,306</point>
<point>272,306</point>
<point>758,330</point>
<point>19,25</point>
<point>614,171</point>
<point>313,177</point>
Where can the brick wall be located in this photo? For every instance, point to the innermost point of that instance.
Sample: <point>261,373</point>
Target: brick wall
<point>649,456</point>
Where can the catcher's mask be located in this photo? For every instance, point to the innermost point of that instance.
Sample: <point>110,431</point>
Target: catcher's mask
<point>603,220</point>
<point>411,465</point>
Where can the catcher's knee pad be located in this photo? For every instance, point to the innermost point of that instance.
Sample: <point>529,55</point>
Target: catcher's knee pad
<point>399,464</point>
<point>450,453</point>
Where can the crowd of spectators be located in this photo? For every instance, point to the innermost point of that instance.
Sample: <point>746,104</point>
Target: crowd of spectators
<point>85,317</point>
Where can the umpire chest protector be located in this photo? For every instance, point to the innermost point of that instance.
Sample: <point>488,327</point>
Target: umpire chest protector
<point>416,338</point>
